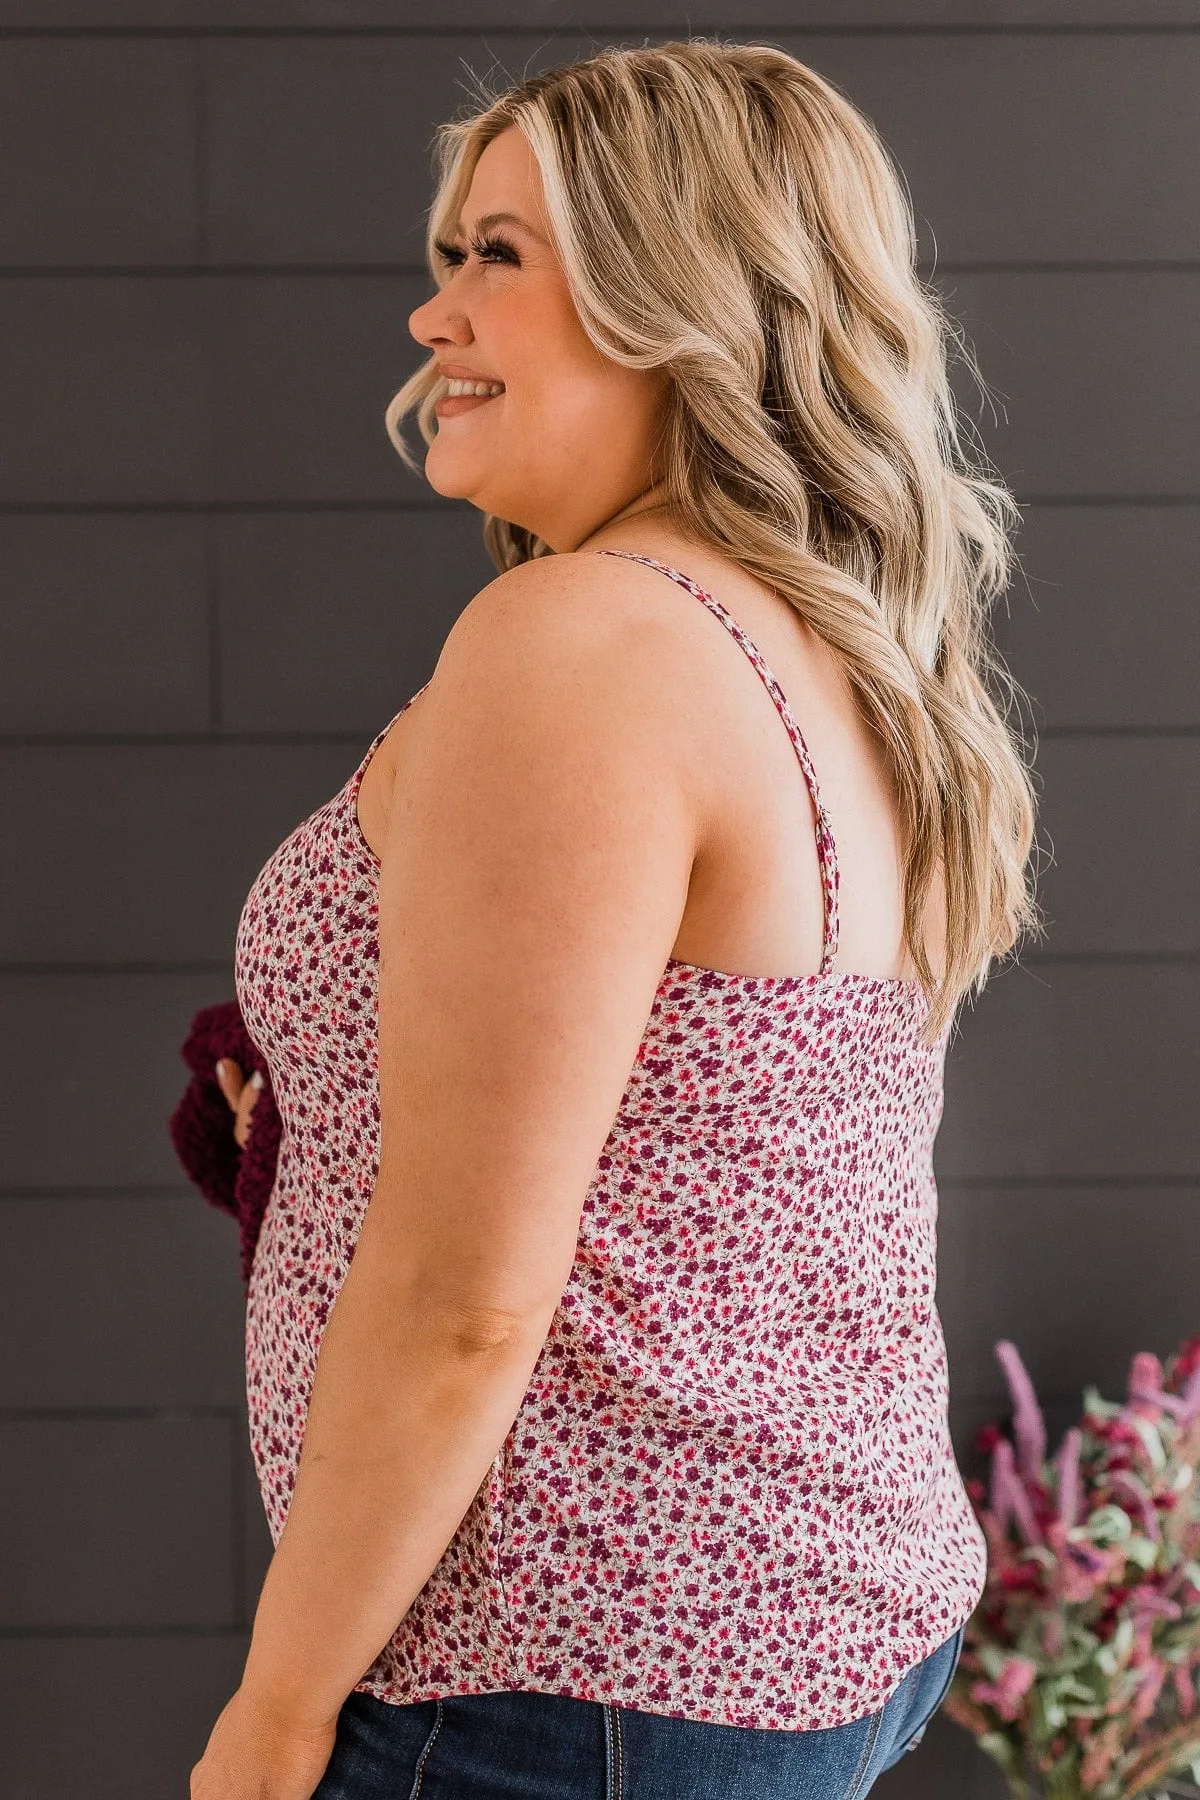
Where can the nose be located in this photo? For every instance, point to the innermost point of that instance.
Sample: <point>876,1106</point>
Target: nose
<point>430,326</point>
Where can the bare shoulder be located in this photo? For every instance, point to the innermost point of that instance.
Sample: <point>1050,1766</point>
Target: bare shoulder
<point>545,727</point>
<point>574,594</point>
<point>565,622</point>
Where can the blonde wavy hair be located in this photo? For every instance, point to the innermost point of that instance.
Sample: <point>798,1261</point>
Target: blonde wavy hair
<point>722,211</point>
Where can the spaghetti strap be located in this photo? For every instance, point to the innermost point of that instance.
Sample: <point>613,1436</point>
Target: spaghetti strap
<point>826,850</point>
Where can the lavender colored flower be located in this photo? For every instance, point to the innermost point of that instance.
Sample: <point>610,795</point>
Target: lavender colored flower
<point>1083,1656</point>
<point>1066,1467</point>
<point>1140,1494</point>
<point>1009,1499</point>
<point>1029,1428</point>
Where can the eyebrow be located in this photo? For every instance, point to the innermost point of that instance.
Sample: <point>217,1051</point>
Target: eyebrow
<point>504,218</point>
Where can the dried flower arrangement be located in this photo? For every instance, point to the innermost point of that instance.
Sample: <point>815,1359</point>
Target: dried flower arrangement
<point>1079,1665</point>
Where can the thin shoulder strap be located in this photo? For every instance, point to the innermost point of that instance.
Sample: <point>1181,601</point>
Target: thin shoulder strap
<point>826,850</point>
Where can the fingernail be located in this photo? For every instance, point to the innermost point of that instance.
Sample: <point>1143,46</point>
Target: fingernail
<point>256,1080</point>
<point>218,1066</point>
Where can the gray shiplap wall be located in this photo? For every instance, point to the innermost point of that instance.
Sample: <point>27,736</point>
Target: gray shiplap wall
<point>208,255</point>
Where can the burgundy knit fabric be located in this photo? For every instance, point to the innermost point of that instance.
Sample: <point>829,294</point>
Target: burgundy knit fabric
<point>236,1180</point>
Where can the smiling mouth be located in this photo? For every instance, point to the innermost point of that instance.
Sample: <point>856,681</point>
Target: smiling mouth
<point>450,405</point>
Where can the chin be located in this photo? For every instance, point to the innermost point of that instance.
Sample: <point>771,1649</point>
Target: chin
<point>455,479</point>
<point>446,477</point>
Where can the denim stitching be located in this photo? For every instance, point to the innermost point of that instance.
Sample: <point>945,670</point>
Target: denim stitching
<point>614,1784</point>
<point>437,1726</point>
<point>954,1662</point>
<point>868,1750</point>
<point>923,1727</point>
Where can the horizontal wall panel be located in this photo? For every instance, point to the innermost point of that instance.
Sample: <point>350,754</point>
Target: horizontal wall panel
<point>1078,1278</point>
<point>660,19</point>
<point>173,390</point>
<point>1094,379</point>
<point>110,398</point>
<point>1122,817</point>
<point>153,847</point>
<point>171,1279</point>
<point>1063,1070</point>
<point>1076,1070</point>
<point>1065,148</point>
<point>92,1070</point>
<point>155,1492</point>
<point>141,1711</point>
<point>273,389</point>
<point>103,134</point>
<point>320,149</point>
<point>275,437</point>
<point>104,626</point>
<point>1093,621</point>
<point>355,607</point>
<point>303,372</point>
<point>165,840</point>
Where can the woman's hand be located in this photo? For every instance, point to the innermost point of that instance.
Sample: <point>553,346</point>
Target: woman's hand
<point>255,1754</point>
<point>241,1095</point>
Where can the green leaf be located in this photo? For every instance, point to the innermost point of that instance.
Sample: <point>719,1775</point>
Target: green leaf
<point>999,1748</point>
<point>1067,1688</point>
<point>1151,1439</point>
<point>1109,1524</point>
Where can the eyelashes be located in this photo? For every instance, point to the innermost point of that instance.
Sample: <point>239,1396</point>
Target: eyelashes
<point>497,246</point>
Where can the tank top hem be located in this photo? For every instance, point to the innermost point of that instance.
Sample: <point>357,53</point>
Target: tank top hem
<point>779,1714</point>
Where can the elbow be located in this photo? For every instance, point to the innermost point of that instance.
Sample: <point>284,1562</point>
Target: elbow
<point>473,1331</point>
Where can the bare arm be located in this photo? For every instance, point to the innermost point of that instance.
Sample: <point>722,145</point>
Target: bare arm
<point>532,884</point>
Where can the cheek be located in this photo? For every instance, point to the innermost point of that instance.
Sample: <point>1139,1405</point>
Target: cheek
<point>562,408</point>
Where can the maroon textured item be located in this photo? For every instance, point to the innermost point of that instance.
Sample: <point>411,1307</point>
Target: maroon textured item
<point>238,1181</point>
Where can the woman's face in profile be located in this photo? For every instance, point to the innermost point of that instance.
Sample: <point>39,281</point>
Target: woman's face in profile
<point>568,442</point>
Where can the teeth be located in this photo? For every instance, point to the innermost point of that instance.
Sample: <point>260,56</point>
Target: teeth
<point>476,387</point>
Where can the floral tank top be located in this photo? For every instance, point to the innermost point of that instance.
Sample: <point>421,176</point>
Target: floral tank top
<point>730,1493</point>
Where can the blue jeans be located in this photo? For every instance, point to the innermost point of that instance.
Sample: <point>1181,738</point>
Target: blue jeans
<point>508,1746</point>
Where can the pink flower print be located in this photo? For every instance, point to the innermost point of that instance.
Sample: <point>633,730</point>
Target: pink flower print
<point>754,1273</point>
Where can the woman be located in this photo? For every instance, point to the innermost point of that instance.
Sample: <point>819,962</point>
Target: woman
<point>625,1462</point>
